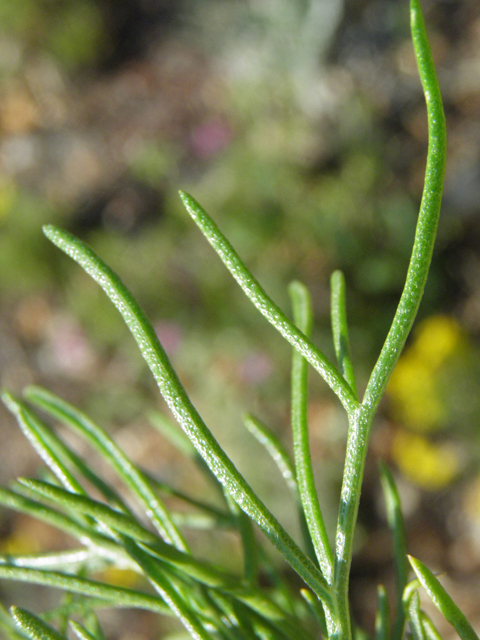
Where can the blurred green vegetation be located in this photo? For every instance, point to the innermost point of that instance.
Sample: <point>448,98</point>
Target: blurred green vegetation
<point>72,32</point>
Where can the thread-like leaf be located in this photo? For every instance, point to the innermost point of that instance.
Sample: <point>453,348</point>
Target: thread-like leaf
<point>382,618</point>
<point>341,340</point>
<point>397,527</point>
<point>81,632</point>
<point>8,626</point>
<point>266,306</point>
<point>105,445</point>
<point>316,608</point>
<point>73,559</point>
<point>244,526</point>
<point>117,520</point>
<point>415,618</point>
<point>443,601</point>
<point>430,630</point>
<point>360,423</point>
<point>116,596</point>
<point>428,216</point>
<point>33,626</point>
<point>63,452</point>
<point>161,583</point>
<point>35,430</point>
<point>86,535</point>
<point>302,313</point>
<point>182,408</point>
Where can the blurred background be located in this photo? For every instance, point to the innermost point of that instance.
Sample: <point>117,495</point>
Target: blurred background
<point>301,128</point>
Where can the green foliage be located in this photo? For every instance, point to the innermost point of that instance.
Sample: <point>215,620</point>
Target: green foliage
<point>72,32</point>
<point>208,601</point>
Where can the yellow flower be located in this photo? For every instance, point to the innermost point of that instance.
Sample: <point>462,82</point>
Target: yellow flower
<point>414,394</point>
<point>430,466</point>
<point>436,339</point>
<point>413,387</point>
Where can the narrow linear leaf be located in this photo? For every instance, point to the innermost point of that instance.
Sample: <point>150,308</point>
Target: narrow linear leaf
<point>34,429</point>
<point>119,522</point>
<point>74,559</point>
<point>244,526</point>
<point>168,592</point>
<point>382,618</point>
<point>83,504</point>
<point>341,340</point>
<point>63,452</point>
<point>287,468</point>
<point>266,306</point>
<point>415,618</point>
<point>397,527</point>
<point>223,617</point>
<point>360,423</point>
<point>182,408</point>
<point>316,608</point>
<point>431,632</point>
<point>87,536</point>
<point>93,626</point>
<point>33,626</point>
<point>102,442</point>
<point>302,313</point>
<point>428,216</point>
<point>443,601</point>
<point>7,625</point>
<point>81,632</point>
<point>116,596</point>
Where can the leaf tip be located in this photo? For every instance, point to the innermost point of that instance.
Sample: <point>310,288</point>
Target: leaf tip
<point>10,401</point>
<point>185,198</point>
<point>50,230</point>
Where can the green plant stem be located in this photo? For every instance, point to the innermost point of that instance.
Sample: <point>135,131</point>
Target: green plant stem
<point>357,442</point>
<point>427,220</point>
<point>360,421</point>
